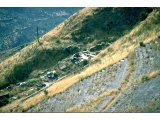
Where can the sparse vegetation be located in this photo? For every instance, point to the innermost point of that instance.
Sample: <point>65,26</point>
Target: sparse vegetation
<point>142,44</point>
<point>110,49</point>
<point>145,78</point>
<point>58,41</point>
<point>51,54</point>
<point>18,25</point>
<point>45,92</point>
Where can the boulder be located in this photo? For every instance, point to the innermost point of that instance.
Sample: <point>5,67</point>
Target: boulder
<point>63,67</point>
<point>22,84</point>
<point>52,74</point>
<point>81,57</point>
<point>42,77</point>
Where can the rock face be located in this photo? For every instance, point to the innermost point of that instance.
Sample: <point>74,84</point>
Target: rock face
<point>147,99</point>
<point>137,98</point>
<point>52,75</point>
<point>81,57</point>
<point>87,89</point>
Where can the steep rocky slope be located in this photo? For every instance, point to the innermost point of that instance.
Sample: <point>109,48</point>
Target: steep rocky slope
<point>92,93</point>
<point>123,77</point>
<point>122,87</point>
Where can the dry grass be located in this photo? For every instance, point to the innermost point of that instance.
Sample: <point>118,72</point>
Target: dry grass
<point>125,84</point>
<point>154,74</point>
<point>148,77</point>
<point>69,81</point>
<point>111,58</point>
<point>11,107</point>
<point>31,101</point>
<point>88,106</point>
<point>77,19</point>
<point>30,51</point>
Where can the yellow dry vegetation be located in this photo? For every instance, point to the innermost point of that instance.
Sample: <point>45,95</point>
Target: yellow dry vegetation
<point>110,58</point>
<point>31,101</point>
<point>154,74</point>
<point>28,52</point>
<point>88,106</point>
<point>152,37</point>
<point>11,106</point>
<point>62,85</point>
<point>105,61</point>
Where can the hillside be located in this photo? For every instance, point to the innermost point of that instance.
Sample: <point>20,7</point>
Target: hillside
<point>18,25</point>
<point>127,63</point>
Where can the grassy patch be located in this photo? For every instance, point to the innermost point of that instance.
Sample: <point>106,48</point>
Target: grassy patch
<point>145,78</point>
<point>88,106</point>
<point>45,92</point>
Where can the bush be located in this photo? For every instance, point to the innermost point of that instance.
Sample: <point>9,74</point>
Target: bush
<point>145,78</point>
<point>21,71</point>
<point>85,62</point>
<point>142,44</point>
<point>144,14</point>
<point>110,49</point>
<point>58,41</point>
<point>45,92</point>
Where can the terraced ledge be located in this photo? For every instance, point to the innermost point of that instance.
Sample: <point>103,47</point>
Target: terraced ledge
<point>147,99</point>
<point>62,85</point>
<point>125,84</point>
<point>105,99</point>
<point>90,105</point>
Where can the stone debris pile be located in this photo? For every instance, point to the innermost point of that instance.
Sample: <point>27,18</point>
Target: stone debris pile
<point>50,75</point>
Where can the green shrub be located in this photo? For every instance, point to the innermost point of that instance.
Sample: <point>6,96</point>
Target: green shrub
<point>144,14</point>
<point>58,41</point>
<point>110,49</point>
<point>21,71</point>
<point>142,44</point>
<point>145,78</point>
<point>45,92</point>
<point>102,55</point>
<point>85,62</point>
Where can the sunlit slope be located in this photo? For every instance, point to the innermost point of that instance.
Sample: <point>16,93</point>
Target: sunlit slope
<point>113,71</point>
<point>128,83</point>
<point>85,29</point>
